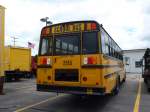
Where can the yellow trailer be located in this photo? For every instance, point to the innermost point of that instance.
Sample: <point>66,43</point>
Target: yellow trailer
<point>17,62</point>
<point>2,18</point>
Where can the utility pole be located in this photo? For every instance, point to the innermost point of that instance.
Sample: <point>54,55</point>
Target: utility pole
<point>14,40</point>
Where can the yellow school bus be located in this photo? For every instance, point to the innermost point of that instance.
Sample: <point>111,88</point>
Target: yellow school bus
<point>79,57</point>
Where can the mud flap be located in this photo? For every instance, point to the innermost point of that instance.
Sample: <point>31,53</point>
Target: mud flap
<point>1,85</point>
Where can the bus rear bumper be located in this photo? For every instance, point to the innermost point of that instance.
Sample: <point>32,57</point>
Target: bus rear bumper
<point>71,90</point>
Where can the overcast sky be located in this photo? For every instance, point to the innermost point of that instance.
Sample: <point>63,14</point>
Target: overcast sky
<point>127,21</point>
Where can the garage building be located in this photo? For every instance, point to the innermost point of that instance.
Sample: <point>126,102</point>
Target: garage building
<point>133,60</point>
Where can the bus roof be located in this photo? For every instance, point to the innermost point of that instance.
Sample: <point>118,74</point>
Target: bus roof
<point>65,27</point>
<point>73,22</point>
<point>72,26</point>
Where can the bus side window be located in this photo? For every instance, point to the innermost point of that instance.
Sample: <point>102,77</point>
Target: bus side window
<point>103,41</point>
<point>105,49</point>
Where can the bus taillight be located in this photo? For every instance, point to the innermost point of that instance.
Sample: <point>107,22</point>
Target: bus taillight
<point>90,60</point>
<point>45,61</point>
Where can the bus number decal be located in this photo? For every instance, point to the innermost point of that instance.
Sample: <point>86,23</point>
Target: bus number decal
<point>67,62</point>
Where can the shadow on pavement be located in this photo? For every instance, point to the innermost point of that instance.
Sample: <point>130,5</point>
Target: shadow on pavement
<point>72,103</point>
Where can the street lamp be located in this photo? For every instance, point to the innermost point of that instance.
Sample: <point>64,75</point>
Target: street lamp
<point>46,21</point>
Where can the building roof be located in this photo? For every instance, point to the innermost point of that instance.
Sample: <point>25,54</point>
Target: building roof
<point>2,7</point>
<point>17,47</point>
<point>134,50</point>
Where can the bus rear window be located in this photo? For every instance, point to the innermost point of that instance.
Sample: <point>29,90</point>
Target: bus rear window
<point>67,44</point>
<point>90,43</point>
<point>46,46</point>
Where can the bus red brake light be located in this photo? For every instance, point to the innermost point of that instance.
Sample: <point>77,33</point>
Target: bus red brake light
<point>44,61</point>
<point>90,60</point>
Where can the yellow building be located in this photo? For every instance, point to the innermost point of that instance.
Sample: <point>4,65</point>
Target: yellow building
<point>2,18</point>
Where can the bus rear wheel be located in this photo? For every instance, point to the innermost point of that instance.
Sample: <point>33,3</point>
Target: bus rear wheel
<point>124,79</point>
<point>145,80</point>
<point>148,89</point>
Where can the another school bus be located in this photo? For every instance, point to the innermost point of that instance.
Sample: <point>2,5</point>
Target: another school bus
<point>79,57</point>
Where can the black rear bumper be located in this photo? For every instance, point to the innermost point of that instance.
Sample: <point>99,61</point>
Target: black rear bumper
<point>17,74</point>
<point>146,76</point>
<point>71,90</point>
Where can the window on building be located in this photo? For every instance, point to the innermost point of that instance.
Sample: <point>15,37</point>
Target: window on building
<point>127,60</point>
<point>138,64</point>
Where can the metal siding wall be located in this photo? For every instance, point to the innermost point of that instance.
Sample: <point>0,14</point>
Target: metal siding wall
<point>134,56</point>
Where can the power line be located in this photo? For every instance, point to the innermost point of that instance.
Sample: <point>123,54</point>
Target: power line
<point>14,40</point>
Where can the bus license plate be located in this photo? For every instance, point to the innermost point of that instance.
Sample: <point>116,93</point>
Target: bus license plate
<point>89,91</point>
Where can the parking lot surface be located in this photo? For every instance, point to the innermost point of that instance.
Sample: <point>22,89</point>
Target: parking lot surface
<point>22,97</point>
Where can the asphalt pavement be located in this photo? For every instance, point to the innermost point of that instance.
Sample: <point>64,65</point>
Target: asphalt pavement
<point>22,97</point>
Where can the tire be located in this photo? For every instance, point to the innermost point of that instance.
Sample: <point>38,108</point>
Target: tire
<point>17,79</point>
<point>117,87</point>
<point>124,79</point>
<point>145,81</point>
<point>148,89</point>
<point>8,79</point>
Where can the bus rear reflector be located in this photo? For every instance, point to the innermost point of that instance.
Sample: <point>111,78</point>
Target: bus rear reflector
<point>39,81</point>
<point>84,78</point>
<point>49,77</point>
